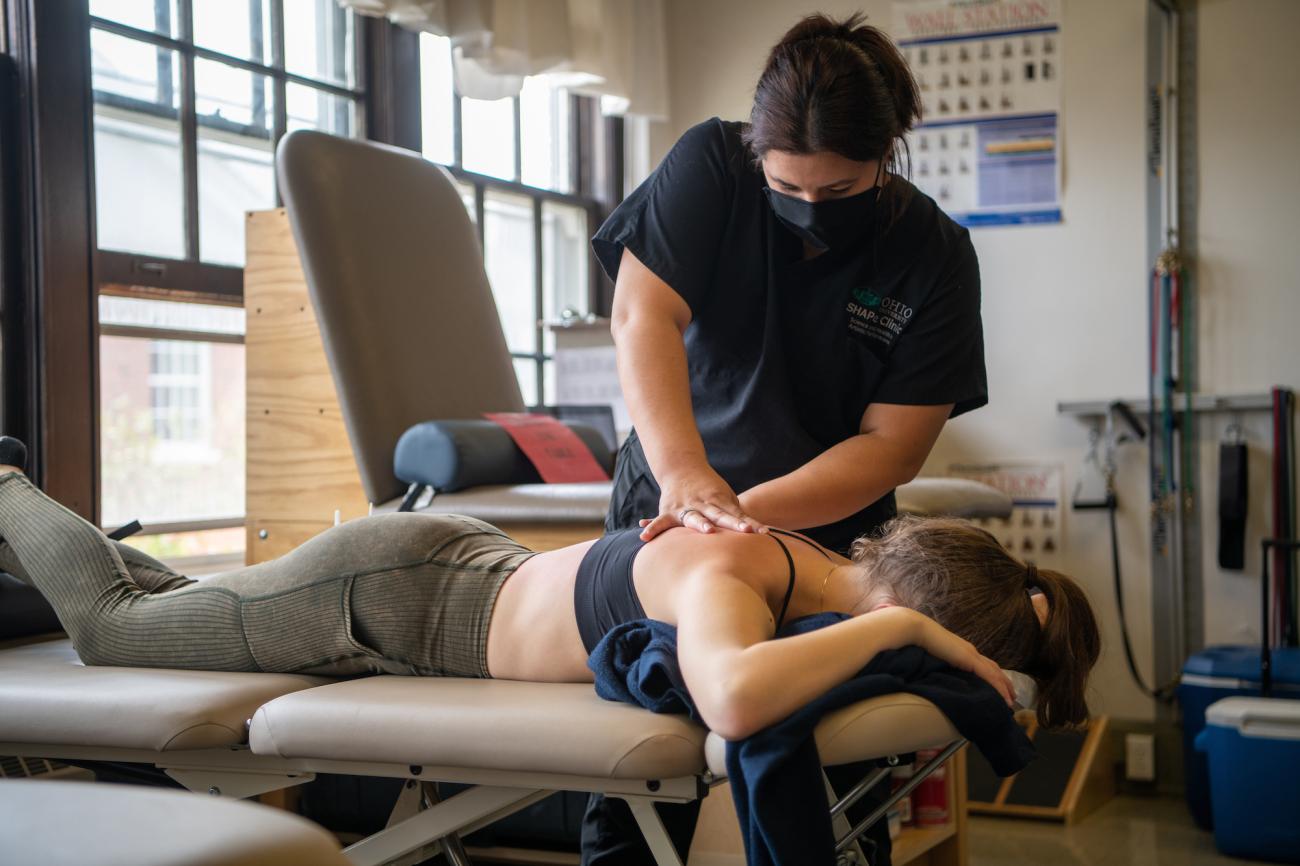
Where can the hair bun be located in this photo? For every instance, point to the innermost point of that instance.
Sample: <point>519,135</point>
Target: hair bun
<point>822,27</point>
<point>840,86</point>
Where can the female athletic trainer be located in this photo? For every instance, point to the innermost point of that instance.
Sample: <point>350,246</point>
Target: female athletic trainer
<point>435,595</point>
<point>794,320</point>
<point>794,323</point>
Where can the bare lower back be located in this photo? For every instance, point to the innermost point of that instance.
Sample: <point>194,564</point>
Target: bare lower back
<point>534,632</point>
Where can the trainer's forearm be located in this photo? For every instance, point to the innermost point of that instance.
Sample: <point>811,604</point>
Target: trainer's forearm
<point>653,373</point>
<point>839,482</point>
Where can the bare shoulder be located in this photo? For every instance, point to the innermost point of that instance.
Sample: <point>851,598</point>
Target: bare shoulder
<point>752,557</point>
<point>720,543</point>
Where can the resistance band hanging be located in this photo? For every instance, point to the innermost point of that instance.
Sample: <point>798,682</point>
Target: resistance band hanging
<point>1110,441</point>
<point>1168,363</point>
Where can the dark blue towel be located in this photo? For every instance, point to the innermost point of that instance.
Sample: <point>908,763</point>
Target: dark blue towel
<point>775,774</point>
<point>636,663</point>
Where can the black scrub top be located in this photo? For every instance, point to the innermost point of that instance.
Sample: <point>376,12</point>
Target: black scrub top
<point>785,354</point>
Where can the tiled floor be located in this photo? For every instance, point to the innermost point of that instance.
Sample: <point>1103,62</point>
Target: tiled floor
<point>1128,831</point>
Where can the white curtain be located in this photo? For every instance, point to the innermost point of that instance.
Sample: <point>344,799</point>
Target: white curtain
<point>613,49</point>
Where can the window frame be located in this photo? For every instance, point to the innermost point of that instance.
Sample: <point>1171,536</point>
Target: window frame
<point>181,335</point>
<point>190,278</point>
<point>142,275</point>
<point>596,168</point>
<point>52,271</point>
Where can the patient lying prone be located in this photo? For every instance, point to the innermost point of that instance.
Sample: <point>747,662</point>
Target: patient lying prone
<point>437,595</point>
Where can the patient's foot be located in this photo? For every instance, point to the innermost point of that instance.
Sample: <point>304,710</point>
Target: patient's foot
<point>13,455</point>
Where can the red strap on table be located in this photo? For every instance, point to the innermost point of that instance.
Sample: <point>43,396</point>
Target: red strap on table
<point>559,456</point>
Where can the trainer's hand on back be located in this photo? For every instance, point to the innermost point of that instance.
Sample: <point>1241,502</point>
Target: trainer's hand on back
<point>698,500</point>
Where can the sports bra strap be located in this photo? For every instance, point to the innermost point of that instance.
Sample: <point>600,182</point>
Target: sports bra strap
<point>808,541</point>
<point>789,589</point>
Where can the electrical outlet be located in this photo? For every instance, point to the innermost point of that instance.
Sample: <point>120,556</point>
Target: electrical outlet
<point>1140,757</point>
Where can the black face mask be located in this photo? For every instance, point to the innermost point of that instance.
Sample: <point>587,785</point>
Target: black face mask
<point>828,224</point>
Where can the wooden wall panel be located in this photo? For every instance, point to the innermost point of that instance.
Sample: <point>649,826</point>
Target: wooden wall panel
<point>300,466</point>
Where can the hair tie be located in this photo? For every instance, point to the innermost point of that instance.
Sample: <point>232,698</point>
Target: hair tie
<point>1031,579</point>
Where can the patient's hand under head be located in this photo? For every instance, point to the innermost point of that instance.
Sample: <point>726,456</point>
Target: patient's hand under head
<point>1036,622</point>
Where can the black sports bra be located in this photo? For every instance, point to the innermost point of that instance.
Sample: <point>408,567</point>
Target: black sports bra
<point>604,595</point>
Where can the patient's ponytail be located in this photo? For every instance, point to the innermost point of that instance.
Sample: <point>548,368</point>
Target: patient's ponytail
<point>960,576</point>
<point>1067,651</point>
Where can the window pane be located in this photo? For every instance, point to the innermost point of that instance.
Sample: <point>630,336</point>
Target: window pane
<point>231,99</point>
<point>241,28</point>
<point>175,547</point>
<point>137,147</point>
<point>526,373</point>
<point>436,113</point>
<point>544,134</point>
<point>508,255</point>
<point>318,40</point>
<point>548,383</point>
<point>488,136</point>
<point>310,108</point>
<point>177,315</point>
<point>564,264</point>
<point>144,14</point>
<point>467,196</point>
<point>127,71</point>
<point>171,430</point>
<point>235,156</point>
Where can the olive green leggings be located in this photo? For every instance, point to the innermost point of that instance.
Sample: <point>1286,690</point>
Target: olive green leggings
<point>394,593</point>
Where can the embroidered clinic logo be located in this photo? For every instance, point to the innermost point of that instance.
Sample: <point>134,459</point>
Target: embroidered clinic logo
<point>866,297</point>
<point>882,319</point>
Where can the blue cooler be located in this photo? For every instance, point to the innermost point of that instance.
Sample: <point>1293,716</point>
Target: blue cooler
<point>1209,676</point>
<point>1253,748</point>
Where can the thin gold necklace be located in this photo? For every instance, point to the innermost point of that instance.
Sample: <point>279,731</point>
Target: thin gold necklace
<point>821,600</point>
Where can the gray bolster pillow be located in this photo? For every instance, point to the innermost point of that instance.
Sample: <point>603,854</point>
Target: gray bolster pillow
<point>454,455</point>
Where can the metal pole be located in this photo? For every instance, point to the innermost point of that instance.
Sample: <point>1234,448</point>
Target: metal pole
<point>907,788</point>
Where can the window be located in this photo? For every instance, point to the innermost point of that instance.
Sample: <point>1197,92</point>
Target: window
<point>178,379</point>
<point>190,99</point>
<point>519,163</point>
<point>171,412</point>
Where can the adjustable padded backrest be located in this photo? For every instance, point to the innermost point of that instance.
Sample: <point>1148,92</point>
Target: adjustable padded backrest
<point>395,273</point>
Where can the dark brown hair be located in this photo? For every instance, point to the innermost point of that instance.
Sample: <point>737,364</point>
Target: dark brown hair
<point>960,576</point>
<point>839,86</point>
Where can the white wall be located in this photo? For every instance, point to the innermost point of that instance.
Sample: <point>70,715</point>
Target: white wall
<point>1064,305</point>
<point>1249,259</point>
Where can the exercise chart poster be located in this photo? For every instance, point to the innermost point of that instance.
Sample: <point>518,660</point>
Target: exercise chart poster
<point>988,147</point>
<point>1033,530</point>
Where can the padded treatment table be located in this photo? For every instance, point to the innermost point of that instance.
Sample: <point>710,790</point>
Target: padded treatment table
<point>513,742</point>
<point>571,503</point>
<point>510,504</point>
<point>243,734</point>
<point>75,823</point>
<point>49,696</point>
<point>951,497</point>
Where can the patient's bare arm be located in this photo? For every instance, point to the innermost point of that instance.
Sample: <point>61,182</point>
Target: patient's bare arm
<point>742,681</point>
